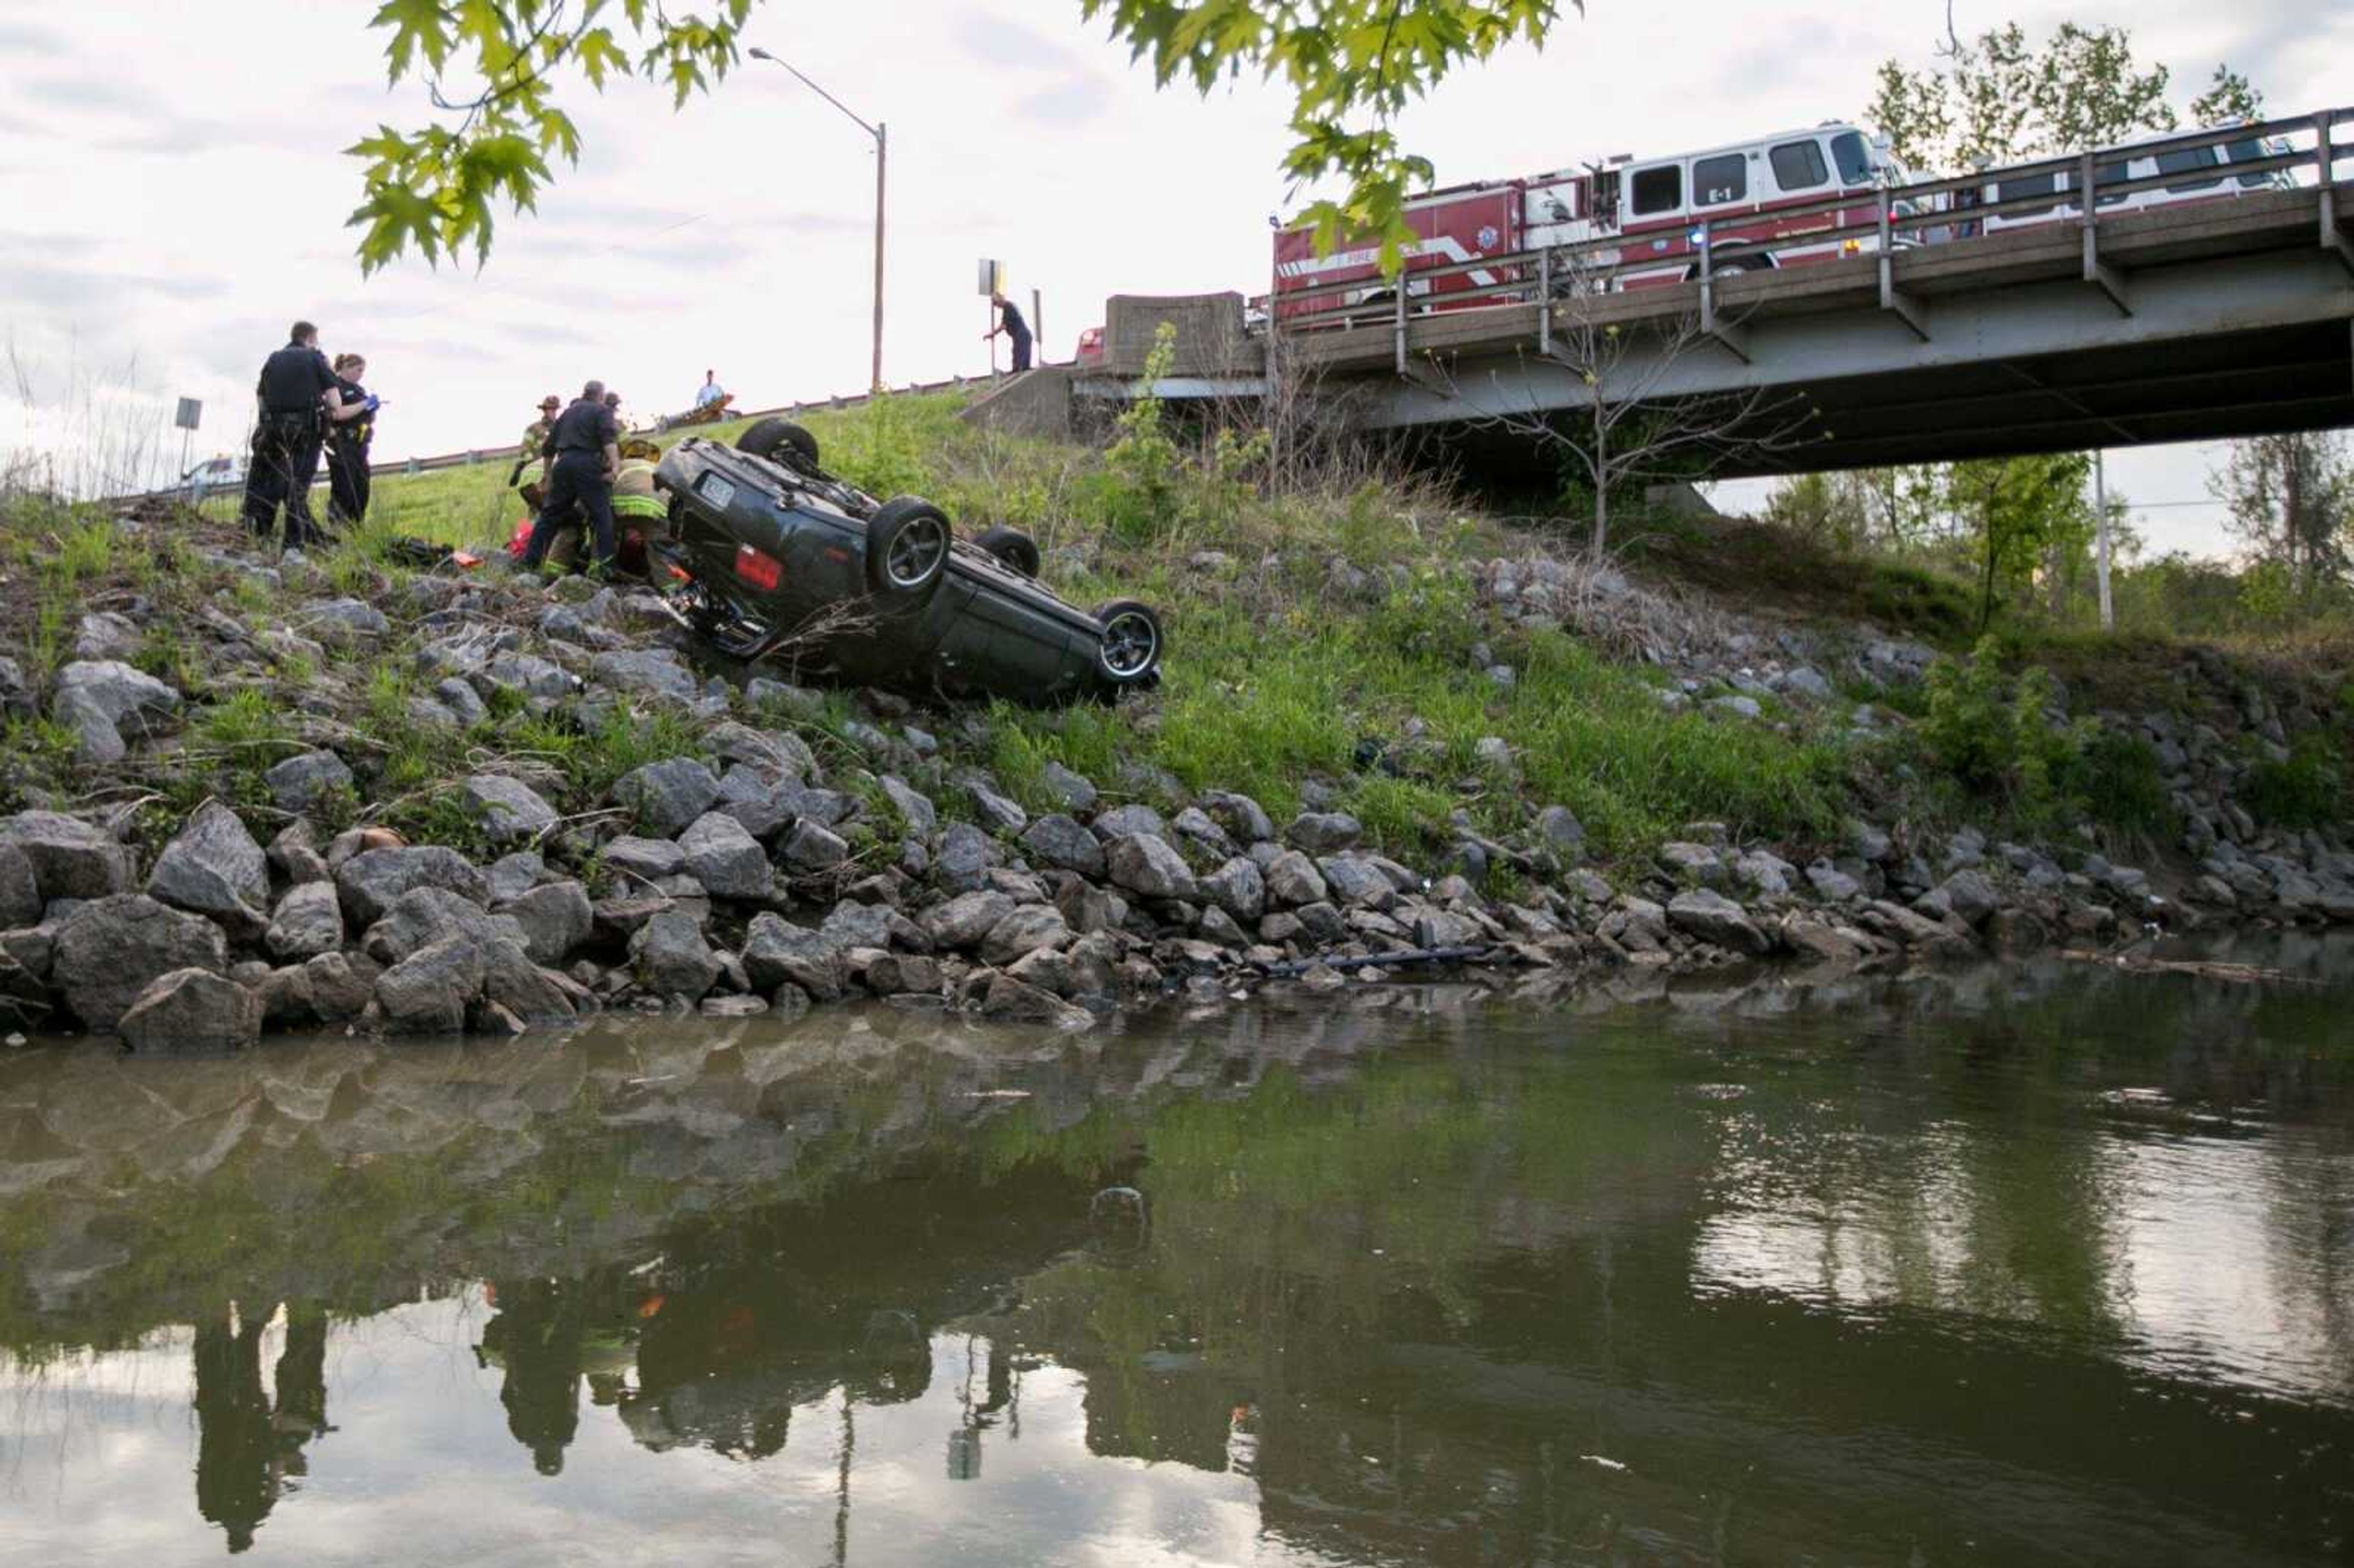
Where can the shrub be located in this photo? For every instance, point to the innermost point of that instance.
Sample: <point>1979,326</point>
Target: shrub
<point>1999,737</point>
<point>2308,790</point>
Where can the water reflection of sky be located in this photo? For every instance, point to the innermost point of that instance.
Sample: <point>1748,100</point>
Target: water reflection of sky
<point>420,1466</point>
<point>2200,1259</point>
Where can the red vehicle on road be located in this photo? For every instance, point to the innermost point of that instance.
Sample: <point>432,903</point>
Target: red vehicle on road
<point>1654,206</point>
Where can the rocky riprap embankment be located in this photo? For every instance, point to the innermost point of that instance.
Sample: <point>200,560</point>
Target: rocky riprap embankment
<point>754,872</point>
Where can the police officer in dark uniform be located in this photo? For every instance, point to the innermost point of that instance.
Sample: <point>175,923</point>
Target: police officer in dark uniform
<point>299,399</point>
<point>584,454</point>
<point>347,444</point>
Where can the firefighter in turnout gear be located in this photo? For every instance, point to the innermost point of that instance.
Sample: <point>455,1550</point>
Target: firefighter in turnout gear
<point>298,400</point>
<point>638,512</point>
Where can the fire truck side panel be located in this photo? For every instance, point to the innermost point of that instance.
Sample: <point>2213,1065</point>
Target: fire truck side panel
<point>1463,224</point>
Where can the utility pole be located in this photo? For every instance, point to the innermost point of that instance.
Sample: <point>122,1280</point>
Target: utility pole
<point>882,150</point>
<point>2101,533</point>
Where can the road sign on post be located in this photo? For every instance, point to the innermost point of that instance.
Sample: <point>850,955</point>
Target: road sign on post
<point>191,412</point>
<point>992,276</point>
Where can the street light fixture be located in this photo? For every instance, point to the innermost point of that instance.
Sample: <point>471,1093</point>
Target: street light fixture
<point>882,147</point>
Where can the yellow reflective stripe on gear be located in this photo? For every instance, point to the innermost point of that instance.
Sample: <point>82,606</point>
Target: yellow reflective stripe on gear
<point>638,506</point>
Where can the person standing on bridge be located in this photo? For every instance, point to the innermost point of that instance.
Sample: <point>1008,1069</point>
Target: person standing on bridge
<point>584,456</point>
<point>297,400</point>
<point>1016,330</point>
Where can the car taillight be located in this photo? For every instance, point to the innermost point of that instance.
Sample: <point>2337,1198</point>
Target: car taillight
<point>761,571</point>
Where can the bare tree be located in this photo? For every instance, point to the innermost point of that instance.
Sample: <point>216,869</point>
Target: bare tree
<point>1628,428</point>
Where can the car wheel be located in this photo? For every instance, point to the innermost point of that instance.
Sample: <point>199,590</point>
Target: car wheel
<point>1012,548</point>
<point>767,436</point>
<point>1128,651</point>
<point>907,548</point>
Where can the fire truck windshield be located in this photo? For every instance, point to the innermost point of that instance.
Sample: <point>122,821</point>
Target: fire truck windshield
<point>1854,158</point>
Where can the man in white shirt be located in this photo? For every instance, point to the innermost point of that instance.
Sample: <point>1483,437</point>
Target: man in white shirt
<point>710,392</point>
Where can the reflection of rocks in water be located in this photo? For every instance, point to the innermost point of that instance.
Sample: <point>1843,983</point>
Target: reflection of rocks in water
<point>536,1338</point>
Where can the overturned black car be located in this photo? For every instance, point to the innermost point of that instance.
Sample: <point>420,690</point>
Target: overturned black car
<point>767,556</point>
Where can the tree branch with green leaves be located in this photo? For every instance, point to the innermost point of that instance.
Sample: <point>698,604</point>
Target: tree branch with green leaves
<point>493,68</point>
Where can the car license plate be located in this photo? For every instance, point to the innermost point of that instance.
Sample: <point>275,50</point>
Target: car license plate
<point>716,490</point>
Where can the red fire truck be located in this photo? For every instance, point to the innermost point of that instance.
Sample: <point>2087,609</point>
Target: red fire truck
<point>1653,206</point>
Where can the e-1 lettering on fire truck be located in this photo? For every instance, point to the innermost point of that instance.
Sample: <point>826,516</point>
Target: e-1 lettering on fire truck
<point>1652,207</point>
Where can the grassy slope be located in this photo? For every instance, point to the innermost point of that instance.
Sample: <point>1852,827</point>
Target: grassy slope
<point>1274,676</point>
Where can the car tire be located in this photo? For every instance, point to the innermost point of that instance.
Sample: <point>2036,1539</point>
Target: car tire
<point>767,436</point>
<point>1127,653</point>
<point>907,550</point>
<point>1013,548</point>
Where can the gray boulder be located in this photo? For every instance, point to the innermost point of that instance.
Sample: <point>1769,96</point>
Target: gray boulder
<point>345,618</point>
<point>1238,888</point>
<point>651,858</point>
<point>1970,896</point>
<point>529,993</point>
<point>512,875</point>
<point>527,675</point>
<point>97,743</point>
<point>191,1010</point>
<point>509,809</point>
<point>810,848</point>
<point>20,890</point>
<point>124,694</point>
<point>106,634</point>
<point>424,916</point>
<point>108,950</point>
<point>298,783</point>
<point>340,985</point>
<point>555,918</point>
<point>213,867</point>
<point>1712,918</point>
<point>778,952</point>
<point>998,813</point>
<point>1072,791</point>
<point>1293,880</point>
<point>371,880</point>
<point>915,808</point>
<point>1558,829</point>
<point>869,926</point>
<point>1324,832</point>
<point>1239,815</point>
<point>1356,883</point>
<point>1023,930</point>
<point>1121,821</point>
<point>308,921</point>
<point>653,673</point>
<point>966,856</point>
<point>1150,868</point>
<point>70,858</point>
<point>668,795</point>
<point>1009,1000</point>
<point>728,860</point>
<point>671,958</point>
<point>965,919</point>
<point>1832,884</point>
<point>430,992</point>
<point>1058,842</point>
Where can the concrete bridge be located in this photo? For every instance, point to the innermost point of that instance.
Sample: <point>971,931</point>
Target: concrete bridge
<point>2229,313</point>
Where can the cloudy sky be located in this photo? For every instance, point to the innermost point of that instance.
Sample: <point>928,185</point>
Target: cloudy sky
<point>173,192</point>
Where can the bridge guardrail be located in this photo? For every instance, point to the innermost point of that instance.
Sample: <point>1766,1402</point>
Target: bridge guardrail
<point>1897,214</point>
<point>400,467</point>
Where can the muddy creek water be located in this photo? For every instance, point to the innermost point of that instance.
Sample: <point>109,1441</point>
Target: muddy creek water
<point>2038,1266</point>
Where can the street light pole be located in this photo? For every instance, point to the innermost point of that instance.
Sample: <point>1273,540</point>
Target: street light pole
<point>881,149</point>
